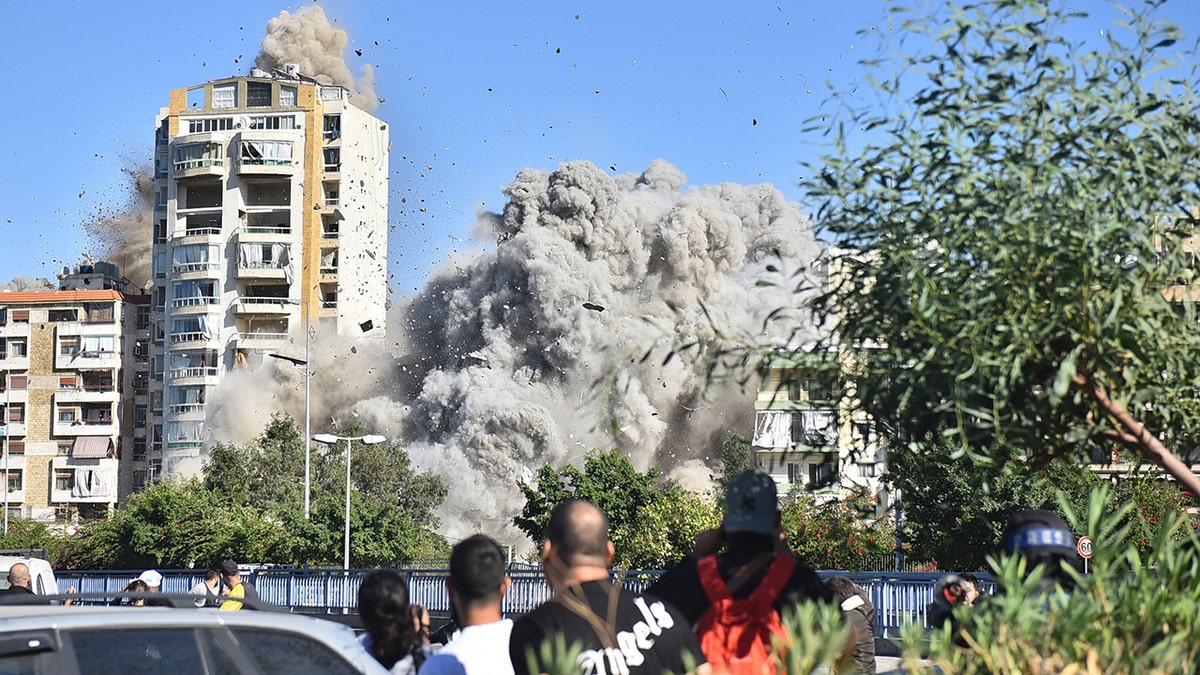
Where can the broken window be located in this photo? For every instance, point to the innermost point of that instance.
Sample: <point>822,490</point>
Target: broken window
<point>267,153</point>
<point>333,159</point>
<point>258,94</point>
<point>287,96</point>
<point>333,127</point>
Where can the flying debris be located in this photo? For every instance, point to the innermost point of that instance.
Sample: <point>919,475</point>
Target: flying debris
<point>593,307</point>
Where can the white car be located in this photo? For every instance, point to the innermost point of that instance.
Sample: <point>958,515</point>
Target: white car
<point>175,641</point>
<point>41,575</point>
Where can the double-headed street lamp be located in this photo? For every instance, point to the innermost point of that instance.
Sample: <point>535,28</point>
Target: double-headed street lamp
<point>330,439</point>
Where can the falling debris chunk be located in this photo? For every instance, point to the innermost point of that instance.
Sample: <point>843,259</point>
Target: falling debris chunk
<point>593,307</point>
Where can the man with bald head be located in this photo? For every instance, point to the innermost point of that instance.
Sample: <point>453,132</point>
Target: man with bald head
<point>18,591</point>
<point>617,631</point>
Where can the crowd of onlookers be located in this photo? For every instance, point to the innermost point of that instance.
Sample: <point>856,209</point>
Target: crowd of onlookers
<point>721,610</point>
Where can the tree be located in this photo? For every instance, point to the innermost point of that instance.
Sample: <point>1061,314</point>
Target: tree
<point>954,510</point>
<point>1011,235</point>
<point>737,455</point>
<point>666,530</point>
<point>835,534</point>
<point>607,480</point>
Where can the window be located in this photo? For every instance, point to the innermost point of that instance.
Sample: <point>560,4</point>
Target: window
<point>99,312</point>
<point>258,94</point>
<point>68,415</point>
<point>277,652</point>
<point>287,95</point>
<point>64,480</point>
<point>96,346</point>
<point>333,159</point>
<point>823,474</point>
<point>139,479</point>
<point>198,155</point>
<point>143,317</point>
<point>17,382</point>
<point>811,389</point>
<point>866,470</point>
<point>333,127</point>
<point>68,383</point>
<point>139,449</point>
<point>331,194</point>
<point>207,124</point>
<point>268,153</point>
<point>20,316</point>
<point>224,95</point>
<point>795,473</point>
<point>17,349</point>
<point>160,232</point>
<point>3,316</point>
<point>63,314</point>
<point>273,122</point>
<point>16,412</point>
<point>14,480</point>
<point>140,414</point>
<point>146,650</point>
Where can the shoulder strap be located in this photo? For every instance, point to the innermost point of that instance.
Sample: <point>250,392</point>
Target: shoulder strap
<point>710,579</point>
<point>774,582</point>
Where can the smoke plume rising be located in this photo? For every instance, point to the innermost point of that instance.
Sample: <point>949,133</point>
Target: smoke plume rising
<point>125,235</point>
<point>24,283</point>
<point>308,39</point>
<point>531,353</point>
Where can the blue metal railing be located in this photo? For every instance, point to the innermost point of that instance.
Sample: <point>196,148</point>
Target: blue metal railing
<point>900,598</point>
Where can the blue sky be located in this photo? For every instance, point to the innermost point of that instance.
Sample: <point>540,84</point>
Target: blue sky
<point>474,92</point>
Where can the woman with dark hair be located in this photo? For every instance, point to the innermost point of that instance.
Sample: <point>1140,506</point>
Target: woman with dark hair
<point>395,636</point>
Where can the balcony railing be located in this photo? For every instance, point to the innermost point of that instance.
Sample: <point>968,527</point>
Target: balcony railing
<point>198,164</point>
<point>254,229</point>
<point>185,408</point>
<point>202,232</point>
<point>183,268</point>
<point>197,371</point>
<point>193,336</point>
<point>264,337</point>
<point>195,301</point>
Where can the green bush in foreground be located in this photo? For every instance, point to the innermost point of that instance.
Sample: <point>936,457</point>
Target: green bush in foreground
<point>1132,613</point>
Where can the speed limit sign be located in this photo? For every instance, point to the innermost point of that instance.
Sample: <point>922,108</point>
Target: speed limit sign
<point>1084,547</point>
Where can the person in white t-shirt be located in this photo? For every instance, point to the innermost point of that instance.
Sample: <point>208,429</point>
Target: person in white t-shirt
<point>477,585</point>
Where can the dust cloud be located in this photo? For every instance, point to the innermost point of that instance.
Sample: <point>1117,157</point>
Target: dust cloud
<point>125,235</point>
<point>308,39</point>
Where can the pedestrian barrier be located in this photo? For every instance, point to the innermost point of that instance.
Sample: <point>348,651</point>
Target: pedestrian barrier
<point>900,598</point>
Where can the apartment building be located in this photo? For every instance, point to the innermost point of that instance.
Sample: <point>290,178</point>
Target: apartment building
<point>270,222</point>
<point>74,372</point>
<point>807,433</point>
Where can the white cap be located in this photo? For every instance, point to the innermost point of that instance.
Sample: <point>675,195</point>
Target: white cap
<point>151,578</point>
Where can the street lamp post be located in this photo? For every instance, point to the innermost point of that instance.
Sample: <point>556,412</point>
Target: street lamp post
<point>330,439</point>
<point>307,391</point>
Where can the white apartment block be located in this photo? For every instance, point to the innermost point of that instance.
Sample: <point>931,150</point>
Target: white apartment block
<point>807,433</point>
<point>270,220</point>
<point>74,373</point>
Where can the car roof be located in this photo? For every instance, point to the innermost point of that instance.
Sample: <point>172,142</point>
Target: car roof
<point>338,636</point>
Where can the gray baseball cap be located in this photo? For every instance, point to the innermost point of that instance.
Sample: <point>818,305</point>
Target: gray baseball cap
<point>751,503</point>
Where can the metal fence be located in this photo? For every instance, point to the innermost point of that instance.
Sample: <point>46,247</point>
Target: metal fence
<point>900,598</point>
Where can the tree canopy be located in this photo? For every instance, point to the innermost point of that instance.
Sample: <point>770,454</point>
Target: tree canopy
<point>1012,236</point>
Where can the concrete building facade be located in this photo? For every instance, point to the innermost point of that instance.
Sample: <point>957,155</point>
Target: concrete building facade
<point>270,222</point>
<point>809,435</point>
<point>74,369</point>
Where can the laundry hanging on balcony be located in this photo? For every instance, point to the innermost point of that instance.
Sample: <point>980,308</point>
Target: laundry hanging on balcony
<point>773,429</point>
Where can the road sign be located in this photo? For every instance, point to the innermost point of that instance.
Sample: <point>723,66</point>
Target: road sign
<point>1084,547</point>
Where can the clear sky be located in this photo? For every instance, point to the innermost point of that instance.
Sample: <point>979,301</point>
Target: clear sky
<point>473,93</point>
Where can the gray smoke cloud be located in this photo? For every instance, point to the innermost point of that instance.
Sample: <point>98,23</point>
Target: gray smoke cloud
<point>308,39</point>
<point>532,353</point>
<point>23,283</point>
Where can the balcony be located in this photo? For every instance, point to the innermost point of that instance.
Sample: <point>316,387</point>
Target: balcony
<point>197,304</point>
<point>265,234</point>
<point>194,374</point>
<point>88,360</point>
<point>262,340</point>
<point>194,270</point>
<point>191,340</point>
<point>86,393</point>
<point>202,156</point>
<point>262,271</point>
<point>16,463</point>
<point>85,426</point>
<point>84,481</point>
<point>264,153</point>
<point>14,329</point>
<point>265,305</point>
<point>199,226</point>
<point>15,429</point>
<point>191,410</point>
<point>9,361</point>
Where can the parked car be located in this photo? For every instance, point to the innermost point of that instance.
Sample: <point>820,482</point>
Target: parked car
<point>176,641</point>
<point>41,574</point>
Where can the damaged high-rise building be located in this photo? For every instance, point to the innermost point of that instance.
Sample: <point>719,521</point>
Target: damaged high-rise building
<point>270,225</point>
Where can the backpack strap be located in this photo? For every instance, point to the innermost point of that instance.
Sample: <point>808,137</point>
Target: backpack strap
<point>773,583</point>
<point>710,579</point>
